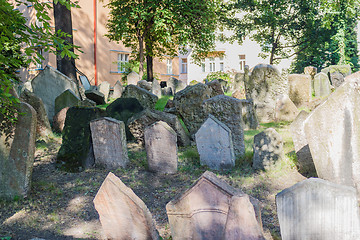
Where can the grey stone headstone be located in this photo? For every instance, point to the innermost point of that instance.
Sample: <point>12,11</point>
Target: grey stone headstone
<point>321,85</point>
<point>66,99</point>
<point>305,162</point>
<point>167,91</point>
<point>49,84</point>
<point>216,87</point>
<point>133,78</point>
<point>333,133</point>
<point>123,215</point>
<point>318,209</point>
<point>215,145</point>
<point>285,109</point>
<point>85,82</point>
<point>268,149</point>
<point>248,114</point>
<point>161,148</point>
<point>336,79</point>
<point>104,88</point>
<point>299,88</point>
<point>145,98</point>
<point>118,89</point>
<point>17,158</point>
<point>155,88</point>
<point>95,96</point>
<point>144,84</point>
<point>109,142</point>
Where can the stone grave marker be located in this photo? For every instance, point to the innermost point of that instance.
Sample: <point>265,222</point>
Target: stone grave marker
<point>118,89</point>
<point>59,120</point>
<point>85,82</point>
<point>133,78</point>
<point>109,142</point>
<point>321,85</point>
<point>144,85</point>
<point>214,144</point>
<point>318,209</point>
<point>161,148</point>
<point>145,98</point>
<point>66,99</point>
<point>202,211</point>
<point>156,88</point>
<point>216,87</point>
<point>248,114</point>
<point>95,96</point>
<point>337,73</point>
<point>333,133</point>
<point>268,149</point>
<point>299,88</point>
<point>310,70</point>
<point>123,215</point>
<point>285,109</point>
<point>104,88</point>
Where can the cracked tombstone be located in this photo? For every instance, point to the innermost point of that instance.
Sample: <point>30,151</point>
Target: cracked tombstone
<point>214,144</point>
<point>123,215</point>
<point>318,209</point>
<point>109,142</point>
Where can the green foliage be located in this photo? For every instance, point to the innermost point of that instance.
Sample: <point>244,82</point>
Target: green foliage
<point>160,104</point>
<point>218,75</point>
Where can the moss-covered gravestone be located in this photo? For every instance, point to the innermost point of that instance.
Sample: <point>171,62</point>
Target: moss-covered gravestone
<point>76,151</point>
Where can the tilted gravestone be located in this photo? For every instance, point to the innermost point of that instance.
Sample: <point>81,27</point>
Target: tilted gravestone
<point>96,96</point>
<point>109,142</point>
<point>333,133</point>
<point>264,86</point>
<point>144,85</point>
<point>318,209</point>
<point>145,98</point>
<point>238,83</point>
<point>156,88</point>
<point>17,155</point>
<point>59,120</point>
<point>299,88</point>
<point>321,85</point>
<point>214,144</point>
<point>268,149</point>
<point>305,162</point>
<point>118,89</point>
<point>49,84</point>
<point>248,114</point>
<point>229,111</point>
<point>202,211</point>
<point>216,87</point>
<point>132,78</point>
<point>66,99</point>
<point>175,85</point>
<point>285,109</point>
<point>85,82</point>
<point>123,215</point>
<point>140,121</point>
<point>104,88</point>
<point>161,148</point>
<point>76,151</point>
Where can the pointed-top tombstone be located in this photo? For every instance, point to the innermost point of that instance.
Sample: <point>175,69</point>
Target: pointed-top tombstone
<point>118,89</point>
<point>66,99</point>
<point>123,215</point>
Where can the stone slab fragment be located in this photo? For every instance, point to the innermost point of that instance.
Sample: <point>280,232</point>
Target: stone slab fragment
<point>66,99</point>
<point>96,96</point>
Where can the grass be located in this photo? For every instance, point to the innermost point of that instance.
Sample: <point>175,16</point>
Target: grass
<point>160,104</point>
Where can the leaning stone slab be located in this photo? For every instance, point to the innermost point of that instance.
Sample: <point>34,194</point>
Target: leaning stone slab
<point>123,215</point>
<point>214,144</point>
<point>145,98</point>
<point>156,88</point>
<point>104,88</point>
<point>66,99</point>
<point>96,96</point>
<point>17,156</point>
<point>321,85</point>
<point>216,87</point>
<point>133,78</point>
<point>299,88</point>
<point>118,89</point>
<point>268,149</point>
<point>109,142</point>
<point>161,148</point>
<point>229,111</point>
<point>337,73</point>
<point>285,109</point>
<point>202,211</point>
<point>49,84</point>
<point>318,209</point>
<point>333,133</point>
<point>305,162</point>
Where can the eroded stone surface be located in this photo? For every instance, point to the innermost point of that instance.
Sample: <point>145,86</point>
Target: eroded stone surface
<point>104,88</point>
<point>145,98</point>
<point>285,109</point>
<point>133,78</point>
<point>299,88</point>
<point>123,215</point>
<point>321,85</point>
<point>118,89</point>
<point>156,88</point>
<point>66,99</point>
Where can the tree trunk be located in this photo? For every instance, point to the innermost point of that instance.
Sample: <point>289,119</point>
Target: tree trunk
<point>63,22</point>
<point>272,54</point>
<point>141,57</point>
<point>149,68</point>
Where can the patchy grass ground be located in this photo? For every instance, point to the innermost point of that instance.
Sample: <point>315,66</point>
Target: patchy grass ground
<point>60,206</point>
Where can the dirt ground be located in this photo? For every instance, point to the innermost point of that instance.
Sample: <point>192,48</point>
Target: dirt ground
<point>60,205</point>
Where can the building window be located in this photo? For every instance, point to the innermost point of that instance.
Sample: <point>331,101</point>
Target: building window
<point>184,65</point>
<point>221,66</point>
<point>203,68</point>
<point>242,62</point>
<point>122,60</point>
<point>212,64</point>
<point>169,66</point>
<point>39,65</point>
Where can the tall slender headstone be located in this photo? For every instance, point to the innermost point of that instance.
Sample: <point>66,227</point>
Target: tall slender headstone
<point>321,85</point>
<point>118,89</point>
<point>104,88</point>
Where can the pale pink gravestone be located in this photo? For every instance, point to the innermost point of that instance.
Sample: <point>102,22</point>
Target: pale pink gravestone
<point>161,148</point>
<point>109,142</point>
<point>210,209</point>
<point>214,144</point>
<point>318,209</point>
<point>123,215</point>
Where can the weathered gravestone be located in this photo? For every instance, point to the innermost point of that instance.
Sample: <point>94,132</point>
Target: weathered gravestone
<point>166,91</point>
<point>133,78</point>
<point>333,133</point>
<point>161,148</point>
<point>122,109</point>
<point>96,96</point>
<point>123,215</point>
<point>140,121</point>
<point>118,89</point>
<point>310,70</point>
<point>214,144</point>
<point>145,98</point>
<point>76,151</point>
<point>175,85</point>
<point>305,162</point>
<point>337,73</point>
<point>318,209</point>
<point>228,111</point>
<point>248,114</point>
<point>239,94</point>
<point>321,85</point>
<point>156,88</point>
<point>66,99</point>
<point>49,84</point>
<point>238,84</point>
<point>353,76</point>
<point>104,88</point>
<point>85,82</point>
<point>109,142</point>
<point>43,128</point>
<point>285,109</point>
<point>202,212</point>
<point>268,149</point>
<point>264,86</point>
<point>17,155</point>
<point>144,85</point>
<point>216,87</point>
<point>299,88</point>
<point>59,120</point>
